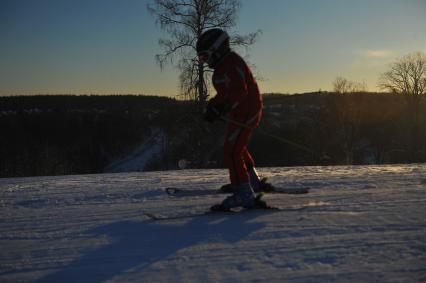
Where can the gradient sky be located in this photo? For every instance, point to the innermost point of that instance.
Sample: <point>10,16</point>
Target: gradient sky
<point>108,46</point>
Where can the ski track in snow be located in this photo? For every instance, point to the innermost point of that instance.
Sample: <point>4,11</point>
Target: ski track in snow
<point>138,160</point>
<point>362,224</point>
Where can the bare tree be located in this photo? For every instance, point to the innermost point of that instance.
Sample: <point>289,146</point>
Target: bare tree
<point>348,109</point>
<point>185,21</point>
<point>407,76</point>
<point>342,86</point>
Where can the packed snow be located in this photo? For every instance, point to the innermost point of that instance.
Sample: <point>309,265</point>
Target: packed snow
<point>360,224</point>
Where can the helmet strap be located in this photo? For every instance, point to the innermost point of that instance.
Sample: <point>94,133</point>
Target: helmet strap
<point>217,58</point>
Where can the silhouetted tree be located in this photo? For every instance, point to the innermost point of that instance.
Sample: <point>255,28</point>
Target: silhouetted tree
<point>407,76</point>
<point>348,108</point>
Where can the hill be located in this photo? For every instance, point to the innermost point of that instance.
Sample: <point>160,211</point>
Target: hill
<point>361,224</point>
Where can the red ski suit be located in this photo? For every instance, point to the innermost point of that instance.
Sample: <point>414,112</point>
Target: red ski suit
<point>236,87</point>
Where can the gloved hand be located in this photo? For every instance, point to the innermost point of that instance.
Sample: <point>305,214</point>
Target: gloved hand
<point>213,112</point>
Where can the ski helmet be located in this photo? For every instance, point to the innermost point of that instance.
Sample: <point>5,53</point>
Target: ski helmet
<point>212,45</point>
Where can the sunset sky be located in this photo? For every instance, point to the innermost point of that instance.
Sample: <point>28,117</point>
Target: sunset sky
<point>108,46</point>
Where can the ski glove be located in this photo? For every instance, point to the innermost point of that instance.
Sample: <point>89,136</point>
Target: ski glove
<point>213,112</point>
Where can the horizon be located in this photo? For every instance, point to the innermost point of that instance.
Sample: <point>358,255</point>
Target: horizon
<point>177,96</point>
<point>107,48</point>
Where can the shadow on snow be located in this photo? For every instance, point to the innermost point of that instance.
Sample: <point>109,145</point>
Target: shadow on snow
<point>140,244</point>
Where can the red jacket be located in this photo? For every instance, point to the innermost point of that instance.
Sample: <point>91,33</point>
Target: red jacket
<point>236,86</point>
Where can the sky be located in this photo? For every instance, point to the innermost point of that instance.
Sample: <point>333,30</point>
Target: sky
<point>109,46</point>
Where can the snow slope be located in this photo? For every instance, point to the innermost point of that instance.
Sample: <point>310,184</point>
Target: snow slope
<point>139,159</point>
<point>362,224</point>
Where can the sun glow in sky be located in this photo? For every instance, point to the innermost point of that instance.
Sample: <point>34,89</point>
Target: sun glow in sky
<point>108,46</point>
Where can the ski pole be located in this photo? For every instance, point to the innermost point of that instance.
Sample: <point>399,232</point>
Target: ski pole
<point>289,142</point>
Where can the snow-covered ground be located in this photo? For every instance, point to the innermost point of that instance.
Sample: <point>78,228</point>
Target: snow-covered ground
<point>362,224</point>
<point>139,159</point>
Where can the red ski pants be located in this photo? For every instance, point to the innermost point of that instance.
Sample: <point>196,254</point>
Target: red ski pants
<point>236,154</point>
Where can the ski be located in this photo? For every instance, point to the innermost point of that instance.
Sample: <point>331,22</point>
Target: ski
<point>161,217</point>
<point>181,192</point>
<point>264,187</point>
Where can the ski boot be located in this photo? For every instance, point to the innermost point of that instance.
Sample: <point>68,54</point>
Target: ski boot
<point>263,186</point>
<point>255,182</point>
<point>243,197</point>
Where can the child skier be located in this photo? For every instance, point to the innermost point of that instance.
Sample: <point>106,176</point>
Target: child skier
<point>237,96</point>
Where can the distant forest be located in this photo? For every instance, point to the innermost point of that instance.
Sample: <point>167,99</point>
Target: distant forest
<point>66,134</point>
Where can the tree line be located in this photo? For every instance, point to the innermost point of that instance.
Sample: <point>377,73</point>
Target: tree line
<point>56,135</point>
<point>66,134</point>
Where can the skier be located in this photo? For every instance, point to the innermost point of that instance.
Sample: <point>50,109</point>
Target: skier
<point>237,96</point>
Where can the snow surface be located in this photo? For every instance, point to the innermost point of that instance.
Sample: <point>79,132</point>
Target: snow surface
<point>139,159</point>
<point>362,224</point>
